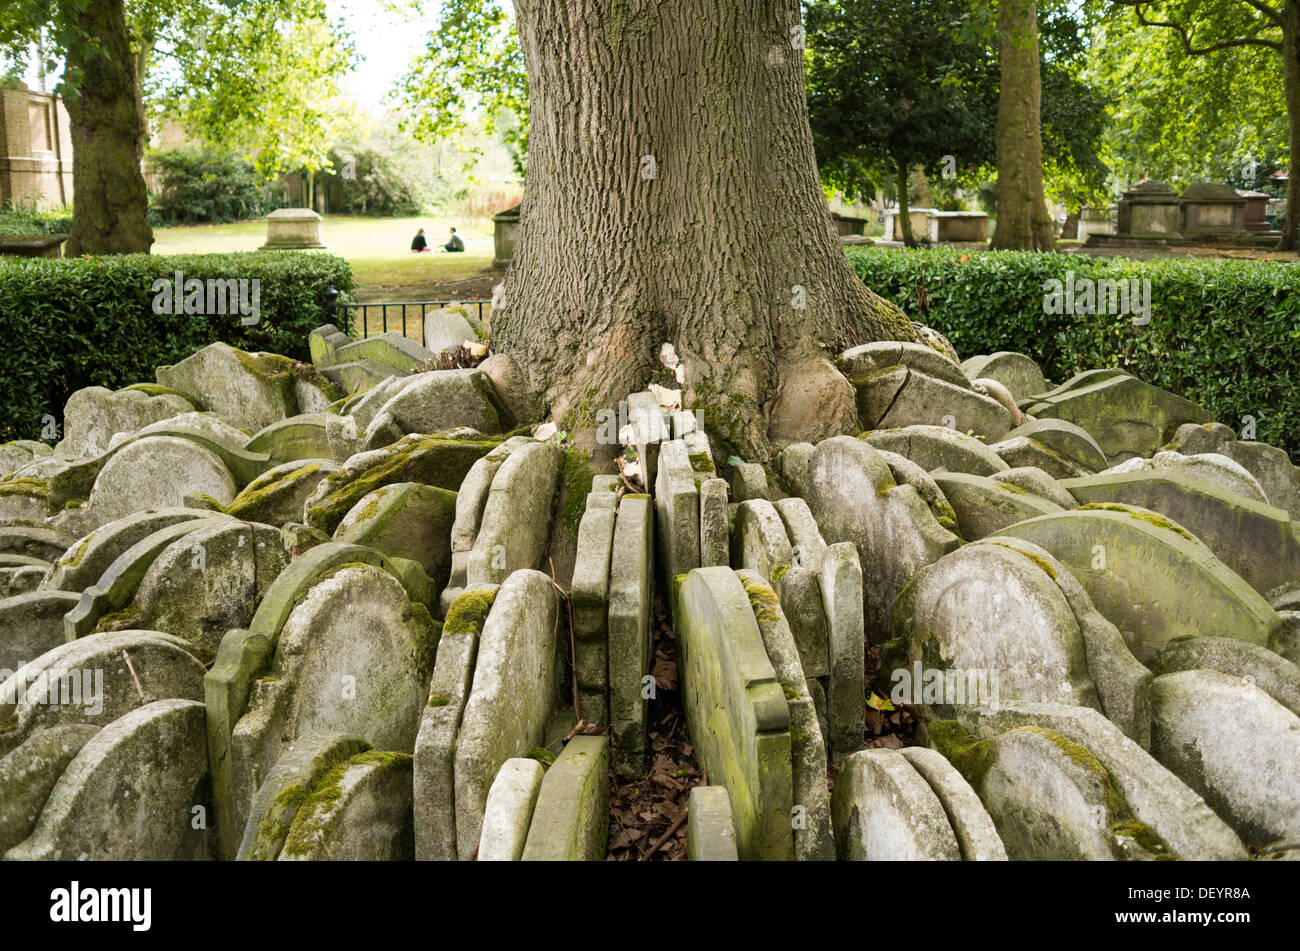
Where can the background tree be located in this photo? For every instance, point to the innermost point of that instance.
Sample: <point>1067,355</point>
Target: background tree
<point>893,84</point>
<point>1180,118</point>
<point>259,77</point>
<point>259,72</point>
<point>105,116</point>
<point>471,73</point>
<point>1075,109</point>
<point>1023,221</point>
<point>1225,28</point>
<point>891,78</point>
<point>672,196</point>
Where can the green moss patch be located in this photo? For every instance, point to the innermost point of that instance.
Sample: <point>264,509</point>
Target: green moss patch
<point>575,483</point>
<point>766,605</point>
<point>1151,518</point>
<point>429,460</point>
<point>469,612</point>
<point>319,810</point>
<point>31,488</point>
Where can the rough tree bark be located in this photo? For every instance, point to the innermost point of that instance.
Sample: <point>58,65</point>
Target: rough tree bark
<point>110,202</point>
<point>672,196</point>
<point>1023,221</point>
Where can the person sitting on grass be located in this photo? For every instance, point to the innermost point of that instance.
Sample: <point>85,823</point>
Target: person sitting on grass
<point>418,243</point>
<point>455,244</point>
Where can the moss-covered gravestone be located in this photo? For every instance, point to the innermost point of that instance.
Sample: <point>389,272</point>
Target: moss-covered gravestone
<point>1150,577</point>
<point>512,697</point>
<point>735,709</point>
<point>130,793</point>
<point>571,817</point>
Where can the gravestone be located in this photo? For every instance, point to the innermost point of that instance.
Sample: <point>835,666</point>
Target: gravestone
<point>512,696</point>
<point>735,709</point>
<point>130,792</point>
<point>509,811</point>
<point>631,596</point>
<point>884,811</point>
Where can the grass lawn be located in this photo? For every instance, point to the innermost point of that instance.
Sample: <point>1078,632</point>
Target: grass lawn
<point>378,249</point>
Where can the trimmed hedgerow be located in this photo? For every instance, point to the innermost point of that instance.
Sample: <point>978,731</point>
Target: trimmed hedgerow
<point>1222,333</point>
<point>67,324</point>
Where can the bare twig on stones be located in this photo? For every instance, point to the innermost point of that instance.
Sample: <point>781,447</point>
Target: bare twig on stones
<point>672,830</point>
<point>129,666</point>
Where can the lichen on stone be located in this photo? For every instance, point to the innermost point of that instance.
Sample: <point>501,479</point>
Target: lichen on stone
<point>1151,518</point>
<point>319,811</point>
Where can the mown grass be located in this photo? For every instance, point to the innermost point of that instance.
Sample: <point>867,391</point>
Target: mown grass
<point>378,249</point>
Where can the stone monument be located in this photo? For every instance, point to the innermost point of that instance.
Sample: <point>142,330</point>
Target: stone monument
<point>292,229</point>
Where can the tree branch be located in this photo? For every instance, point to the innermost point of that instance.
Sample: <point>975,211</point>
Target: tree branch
<point>1185,35</point>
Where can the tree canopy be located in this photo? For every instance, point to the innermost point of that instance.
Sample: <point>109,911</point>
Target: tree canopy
<point>912,81</point>
<point>471,73</point>
<point>1179,117</point>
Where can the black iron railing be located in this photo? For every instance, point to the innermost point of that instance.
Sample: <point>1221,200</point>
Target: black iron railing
<point>344,314</point>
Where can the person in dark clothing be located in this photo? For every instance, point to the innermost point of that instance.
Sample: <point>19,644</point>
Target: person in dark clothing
<point>418,243</point>
<point>455,244</point>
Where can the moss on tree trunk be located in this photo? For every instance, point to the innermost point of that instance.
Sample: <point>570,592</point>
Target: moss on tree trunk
<point>110,202</point>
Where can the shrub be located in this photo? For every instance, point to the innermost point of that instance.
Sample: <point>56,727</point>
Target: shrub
<point>371,182</point>
<point>90,321</point>
<point>1222,333</point>
<point>17,219</point>
<point>201,186</point>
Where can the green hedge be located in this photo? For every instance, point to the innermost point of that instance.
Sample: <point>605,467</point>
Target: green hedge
<point>67,324</point>
<point>1222,333</point>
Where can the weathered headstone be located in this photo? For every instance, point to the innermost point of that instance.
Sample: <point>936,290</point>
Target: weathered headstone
<point>1233,744</point>
<point>571,816</point>
<point>129,793</point>
<point>884,811</point>
<point>360,811</point>
<point>710,832</point>
<point>1138,568</point>
<point>735,710</point>
<point>512,696</point>
<point>631,580</point>
<point>589,600</point>
<point>516,519</point>
<point>435,745</point>
<point>509,811</point>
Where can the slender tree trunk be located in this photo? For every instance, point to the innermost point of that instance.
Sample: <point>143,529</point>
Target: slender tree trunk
<point>904,212</point>
<point>110,203</point>
<point>1023,221</point>
<point>1291,84</point>
<point>143,50</point>
<point>672,196</point>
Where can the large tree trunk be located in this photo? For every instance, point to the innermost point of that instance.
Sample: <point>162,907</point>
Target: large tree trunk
<point>1291,84</point>
<point>110,203</point>
<point>1023,221</point>
<point>672,196</point>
